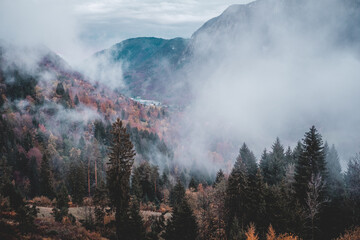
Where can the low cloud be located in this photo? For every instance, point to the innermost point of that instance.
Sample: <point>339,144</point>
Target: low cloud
<point>75,29</point>
<point>257,76</point>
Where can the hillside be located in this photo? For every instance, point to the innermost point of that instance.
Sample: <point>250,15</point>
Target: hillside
<point>44,101</point>
<point>148,65</point>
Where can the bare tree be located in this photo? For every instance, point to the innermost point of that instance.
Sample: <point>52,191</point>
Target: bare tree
<point>314,200</point>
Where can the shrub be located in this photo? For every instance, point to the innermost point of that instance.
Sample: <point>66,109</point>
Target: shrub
<point>42,201</point>
<point>351,234</point>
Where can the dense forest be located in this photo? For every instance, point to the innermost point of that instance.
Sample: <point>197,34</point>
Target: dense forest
<point>288,194</point>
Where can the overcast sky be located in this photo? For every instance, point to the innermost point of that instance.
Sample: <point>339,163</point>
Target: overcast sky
<point>77,28</point>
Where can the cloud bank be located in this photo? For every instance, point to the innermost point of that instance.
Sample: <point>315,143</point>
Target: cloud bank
<point>77,28</point>
<point>273,69</point>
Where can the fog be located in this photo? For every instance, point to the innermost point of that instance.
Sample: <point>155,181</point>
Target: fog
<point>75,29</point>
<point>278,69</point>
<point>42,22</point>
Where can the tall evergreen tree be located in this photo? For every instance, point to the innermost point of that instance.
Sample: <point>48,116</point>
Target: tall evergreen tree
<point>236,201</point>
<point>61,209</point>
<point>135,225</point>
<point>82,144</point>
<point>289,157</point>
<point>76,181</point>
<point>311,163</point>
<point>352,180</point>
<point>257,204</point>
<point>143,186</point>
<point>177,194</point>
<point>34,177</point>
<point>236,232</point>
<point>275,167</point>
<point>60,89</point>
<point>136,186</point>
<point>24,214</point>
<point>264,163</point>
<point>219,177</point>
<point>334,179</point>
<point>76,100</point>
<point>121,159</point>
<point>249,160</point>
<point>46,179</point>
<point>182,225</point>
<point>333,215</point>
<point>297,152</point>
<point>156,227</point>
<point>101,201</point>
<point>193,184</point>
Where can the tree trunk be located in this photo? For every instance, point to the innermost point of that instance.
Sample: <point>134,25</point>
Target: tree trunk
<point>95,174</point>
<point>89,177</point>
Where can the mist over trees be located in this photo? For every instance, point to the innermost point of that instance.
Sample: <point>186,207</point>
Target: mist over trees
<point>95,155</point>
<point>298,192</point>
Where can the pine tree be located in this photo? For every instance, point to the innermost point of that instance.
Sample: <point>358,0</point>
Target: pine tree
<point>136,187</point>
<point>24,214</point>
<point>332,214</point>
<point>33,177</point>
<point>236,201</point>
<point>76,100</point>
<point>218,205</point>
<point>257,204</point>
<point>60,89</point>
<point>297,152</point>
<point>66,100</point>
<point>61,209</point>
<point>271,234</point>
<point>219,177</point>
<point>289,157</point>
<point>143,182</point>
<point>264,164</point>
<point>5,182</point>
<point>236,232</point>
<point>121,159</point>
<point>193,185</point>
<point>334,177</point>
<point>82,144</point>
<point>352,180</point>
<point>155,183</point>
<point>28,141</point>
<point>177,194</point>
<point>76,180</point>
<point>249,160</point>
<point>156,227</point>
<point>165,182</point>
<point>100,201</point>
<point>182,225</point>
<point>135,225</point>
<point>46,180</point>
<point>251,233</point>
<point>311,163</point>
<point>273,165</point>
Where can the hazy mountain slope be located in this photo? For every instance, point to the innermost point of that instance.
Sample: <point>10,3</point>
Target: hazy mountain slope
<point>147,65</point>
<point>151,65</point>
<point>270,65</point>
<point>266,21</point>
<point>41,94</point>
